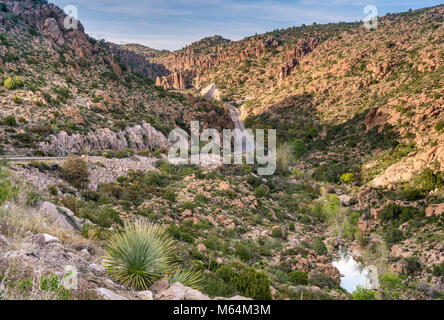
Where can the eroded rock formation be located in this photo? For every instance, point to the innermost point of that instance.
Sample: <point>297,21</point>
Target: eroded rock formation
<point>139,137</point>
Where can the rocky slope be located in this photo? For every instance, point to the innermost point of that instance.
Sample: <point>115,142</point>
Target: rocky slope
<point>363,93</point>
<point>59,80</point>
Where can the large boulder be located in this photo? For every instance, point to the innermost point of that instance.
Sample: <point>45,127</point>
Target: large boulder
<point>50,211</point>
<point>178,291</point>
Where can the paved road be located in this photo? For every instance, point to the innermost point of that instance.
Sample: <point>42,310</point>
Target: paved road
<point>247,141</point>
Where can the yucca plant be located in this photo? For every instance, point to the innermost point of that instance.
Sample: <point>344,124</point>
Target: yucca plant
<point>188,277</point>
<point>140,254</point>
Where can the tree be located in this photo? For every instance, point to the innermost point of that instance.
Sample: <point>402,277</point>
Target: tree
<point>75,171</point>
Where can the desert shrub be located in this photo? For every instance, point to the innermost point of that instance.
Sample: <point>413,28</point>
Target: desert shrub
<point>90,195</point>
<point>392,235</point>
<point>169,195</point>
<point>291,227</point>
<point>319,247</point>
<point>7,191</point>
<point>276,233</point>
<point>153,178</point>
<point>216,287</point>
<point>188,205</point>
<point>283,160</point>
<point>12,84</point>
<point>53,283</point>
<point>321,280</point>
<point>438,270</point>
<point>243,252</point>
<point>254,181</point>
<point>364,294</point>
<point>348,178</point>
<point>410,193</point>
<point>394,211</point>
<point>298,148</point>
<point>200,198</point>
<point>439,126</point>
<point>10,121</point>
<point>53,190</point>
<point>428,180</point>
<point>33,198</point>
<point>412,265</point>
<point>390,280</point>
<point>298,277</point>
<point>75,171</point>
<point>247,281</point>
<point>104,217</point>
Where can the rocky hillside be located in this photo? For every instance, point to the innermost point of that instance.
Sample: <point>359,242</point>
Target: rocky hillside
<point>360,125</point>
<point>62,88</point>
<point>363,101</point>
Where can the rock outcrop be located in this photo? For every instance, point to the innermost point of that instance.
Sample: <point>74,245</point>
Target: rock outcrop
<point>139,137</point>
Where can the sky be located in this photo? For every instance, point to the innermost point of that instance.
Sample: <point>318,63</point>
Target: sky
<point>173,24</point>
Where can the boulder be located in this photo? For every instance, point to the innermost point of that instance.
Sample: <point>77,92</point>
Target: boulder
<point>435,210</point>
<point>109,295</point>
<point>145,295</point>
<point>160,285</point>
<point>345,199</point>
<point>45,238</point>
<point>50,211</point>
<point>178,291</point>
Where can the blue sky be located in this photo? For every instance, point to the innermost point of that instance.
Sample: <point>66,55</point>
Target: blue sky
<point>172,24</point>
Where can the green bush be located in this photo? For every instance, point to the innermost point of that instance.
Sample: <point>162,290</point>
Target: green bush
<point>141,254</point>
<point>319,247</point>
<point>364,294</point>
<point>321,280</point>
<point>298,277</point>
<point>438,270</point>
<point>104,217</point>
<point>10,121</point>
<point>277,233</point>
<point>247,281</point>
<point>392,235</point>
<point>53,284</point>
<point>75,171</point>
<point>428,180</point>
<point>410,193</point>
<point>393,211</point>
<point>439,126</point>
<point>169,195</point>
<point>348,178</point>
<point>12,84</point>
<point>261,191</point>
<point>7,191</point>
<point>243,252</point>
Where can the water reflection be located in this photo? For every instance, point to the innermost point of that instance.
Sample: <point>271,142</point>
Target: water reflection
<point>355,273</point>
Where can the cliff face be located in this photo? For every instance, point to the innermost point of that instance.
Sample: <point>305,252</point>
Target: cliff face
<point>140,137</point>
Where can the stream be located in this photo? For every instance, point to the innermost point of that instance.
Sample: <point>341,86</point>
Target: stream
<point>355,273</point>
